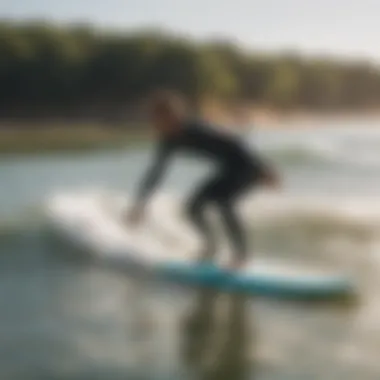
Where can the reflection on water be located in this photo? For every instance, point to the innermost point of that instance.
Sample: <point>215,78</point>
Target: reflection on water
<point>216,337</point>
<point>68,319</point>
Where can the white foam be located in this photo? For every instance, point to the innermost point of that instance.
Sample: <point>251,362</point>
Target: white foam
<point>95,220</point>
<point>165,215</point>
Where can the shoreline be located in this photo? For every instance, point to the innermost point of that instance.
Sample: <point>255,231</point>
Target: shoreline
<point>21,140</point>
<point>28,139</point>
<point>277,118</point>
<point>264,117</point>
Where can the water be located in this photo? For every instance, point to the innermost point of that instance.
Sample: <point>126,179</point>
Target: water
<point>65,317</point>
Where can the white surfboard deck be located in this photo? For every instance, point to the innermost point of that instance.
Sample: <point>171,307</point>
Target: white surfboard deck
<point>96,224</point>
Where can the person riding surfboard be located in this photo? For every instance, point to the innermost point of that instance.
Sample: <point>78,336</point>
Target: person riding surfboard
<point>239,169</point>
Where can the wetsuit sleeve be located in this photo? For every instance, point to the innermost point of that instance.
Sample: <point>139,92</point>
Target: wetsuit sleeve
<point>156,171</point>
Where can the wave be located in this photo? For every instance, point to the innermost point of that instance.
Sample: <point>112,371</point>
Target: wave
<point>261,210</point>
<point>309,229</point>
<point>302,153</point>
<point>306,156</point>
<point>305,228</point>
<point>327,150</point>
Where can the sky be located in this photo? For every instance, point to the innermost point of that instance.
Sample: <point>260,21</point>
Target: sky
<point>335,27</point>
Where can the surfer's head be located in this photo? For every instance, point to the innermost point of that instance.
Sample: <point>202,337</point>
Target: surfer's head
<point>167,110</point>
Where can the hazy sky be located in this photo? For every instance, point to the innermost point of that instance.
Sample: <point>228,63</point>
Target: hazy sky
<point>349,27</point>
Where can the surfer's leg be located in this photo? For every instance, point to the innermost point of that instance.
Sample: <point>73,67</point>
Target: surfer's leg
<point>196,210</point>
<point>231,189</point>
<point>235,230</point>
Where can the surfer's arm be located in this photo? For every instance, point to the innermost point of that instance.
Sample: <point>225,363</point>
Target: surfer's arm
<point>155,173</point>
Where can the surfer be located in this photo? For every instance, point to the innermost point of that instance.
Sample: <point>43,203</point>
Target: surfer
<point>238,170</point>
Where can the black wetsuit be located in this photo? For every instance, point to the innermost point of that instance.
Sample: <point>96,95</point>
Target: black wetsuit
<point>238,169</point>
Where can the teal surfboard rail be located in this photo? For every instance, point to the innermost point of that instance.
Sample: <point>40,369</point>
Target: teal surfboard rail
<point>265,284</point>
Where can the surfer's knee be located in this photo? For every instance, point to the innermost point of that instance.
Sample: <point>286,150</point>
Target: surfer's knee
<point>225,206</point>
<point>194,209</point>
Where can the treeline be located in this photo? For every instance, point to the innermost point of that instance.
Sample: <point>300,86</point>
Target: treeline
<point>54,70</point>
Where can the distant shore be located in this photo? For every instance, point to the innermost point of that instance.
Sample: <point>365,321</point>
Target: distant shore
<point>23,138</point>
<point>270,118</point>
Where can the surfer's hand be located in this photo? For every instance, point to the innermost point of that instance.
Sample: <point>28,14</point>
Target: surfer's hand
<point>135,215</point>
<point>272,180</point>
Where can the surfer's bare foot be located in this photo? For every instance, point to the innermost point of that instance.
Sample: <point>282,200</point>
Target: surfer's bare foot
<point>235,265</point>
<point>202,261</point>
<point>203,258</point>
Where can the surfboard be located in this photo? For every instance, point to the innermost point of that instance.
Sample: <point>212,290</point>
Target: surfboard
<point>86,223</point>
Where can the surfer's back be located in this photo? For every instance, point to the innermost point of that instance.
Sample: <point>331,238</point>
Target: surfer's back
<point>204,139</point>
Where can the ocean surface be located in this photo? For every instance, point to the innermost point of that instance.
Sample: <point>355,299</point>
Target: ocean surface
<point>63,316</point>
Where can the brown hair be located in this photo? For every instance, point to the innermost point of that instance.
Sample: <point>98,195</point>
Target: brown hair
<point>165,100</point>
